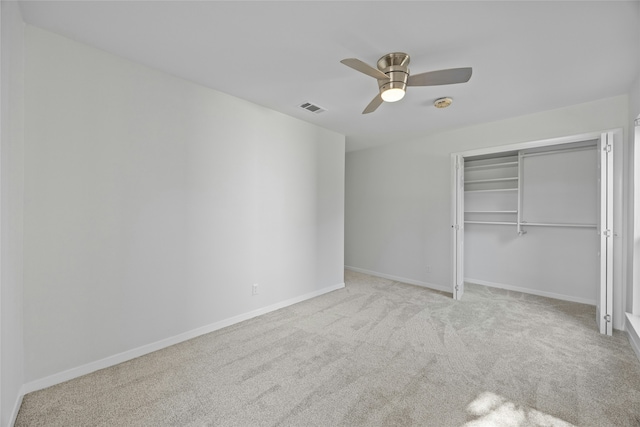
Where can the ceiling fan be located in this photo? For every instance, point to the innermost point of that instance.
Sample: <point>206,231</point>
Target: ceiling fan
<point>393,77</point>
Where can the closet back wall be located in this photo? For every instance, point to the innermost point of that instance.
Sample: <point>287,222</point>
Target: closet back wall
<point>153,204</point>
<point>398,196</point>
<point>559,262</point>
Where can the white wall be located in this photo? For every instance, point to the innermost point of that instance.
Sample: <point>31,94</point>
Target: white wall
<point>152,205</point>
<point>633,193</point>
<point>633,292</point>
<point>398,200</point>
<point>11,178</point>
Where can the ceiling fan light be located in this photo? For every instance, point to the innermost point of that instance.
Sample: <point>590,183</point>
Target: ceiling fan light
<point>392,94</point>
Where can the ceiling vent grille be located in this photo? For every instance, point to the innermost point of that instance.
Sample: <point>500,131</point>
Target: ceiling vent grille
<point>313,108</point>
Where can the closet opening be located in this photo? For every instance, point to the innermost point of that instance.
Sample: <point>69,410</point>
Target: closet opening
<point>537,218</point>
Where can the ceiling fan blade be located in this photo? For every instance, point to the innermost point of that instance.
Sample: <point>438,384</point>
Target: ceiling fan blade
<point>440,77</point>
<point>358,65</point>
<point>373,105</point>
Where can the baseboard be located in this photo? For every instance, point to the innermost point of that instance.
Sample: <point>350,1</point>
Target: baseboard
<point>632,328</point>
<point>400,279</point>
<point>158,345</point>
<point>14,413</point>
<point>531,291</point>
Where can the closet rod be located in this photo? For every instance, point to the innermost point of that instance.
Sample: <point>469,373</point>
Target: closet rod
<point>561,150</point>
<point>551,224</point>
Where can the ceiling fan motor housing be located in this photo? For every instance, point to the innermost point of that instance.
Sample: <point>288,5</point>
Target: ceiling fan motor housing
<point>394,65</point>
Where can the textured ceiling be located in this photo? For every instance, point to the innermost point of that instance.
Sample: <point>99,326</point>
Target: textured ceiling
<point>526,56</point>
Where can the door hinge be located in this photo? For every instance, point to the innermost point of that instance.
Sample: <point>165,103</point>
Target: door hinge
<point>607,233</point>
<point>607,148</point>
<point>457,288</point>
<point>607,318</point>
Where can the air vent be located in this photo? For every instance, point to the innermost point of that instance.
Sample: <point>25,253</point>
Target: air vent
<point>312,107</point>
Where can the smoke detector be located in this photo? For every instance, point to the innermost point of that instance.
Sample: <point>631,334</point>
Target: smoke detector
<point>442,102</point>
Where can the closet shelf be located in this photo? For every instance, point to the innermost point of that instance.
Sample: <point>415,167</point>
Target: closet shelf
<point>478,181</point>
<point>491,166</point>
<point>491,212</point>
<point>495,189</point>
<point>491,222</point>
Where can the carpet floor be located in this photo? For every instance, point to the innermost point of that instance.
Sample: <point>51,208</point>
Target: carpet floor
<point>377,353</point>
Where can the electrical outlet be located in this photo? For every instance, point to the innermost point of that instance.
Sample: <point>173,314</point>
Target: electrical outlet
<point>254,289</point>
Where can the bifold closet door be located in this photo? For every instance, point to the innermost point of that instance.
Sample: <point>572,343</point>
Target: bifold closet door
<point>457,227</point>
<point>604,303</point>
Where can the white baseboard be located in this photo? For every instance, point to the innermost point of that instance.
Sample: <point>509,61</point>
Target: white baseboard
<point>158,345</point>
<point>16,408</point>
<point>632,328</point>
<point>531,291</point>
<point>400,279</point>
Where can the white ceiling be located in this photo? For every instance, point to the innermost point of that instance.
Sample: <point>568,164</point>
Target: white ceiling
<point>526,56</point>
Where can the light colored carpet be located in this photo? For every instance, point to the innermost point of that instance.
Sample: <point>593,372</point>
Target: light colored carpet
<point>377,353</point>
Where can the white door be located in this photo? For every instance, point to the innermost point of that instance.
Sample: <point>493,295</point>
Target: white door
<point>604,307</point>
<point>457,227</point>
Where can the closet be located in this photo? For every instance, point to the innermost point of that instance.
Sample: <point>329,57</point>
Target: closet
<point>537,219</point>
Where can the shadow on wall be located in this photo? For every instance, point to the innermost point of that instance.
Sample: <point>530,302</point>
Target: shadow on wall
<point>493,410</point>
